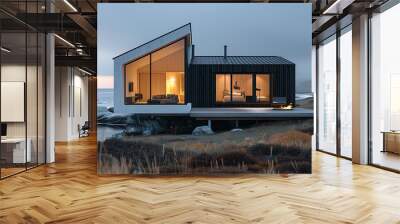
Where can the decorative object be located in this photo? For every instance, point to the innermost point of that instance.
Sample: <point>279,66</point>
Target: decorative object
<point>391,141</point>
<point>130,87</point>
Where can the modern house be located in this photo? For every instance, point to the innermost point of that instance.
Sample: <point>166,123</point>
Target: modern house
<point>165,76</point>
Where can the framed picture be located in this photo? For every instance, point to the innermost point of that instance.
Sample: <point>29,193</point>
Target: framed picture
<point>130,87</point>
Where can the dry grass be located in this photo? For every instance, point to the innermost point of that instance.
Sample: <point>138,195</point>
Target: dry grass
<point>292,138</point>
<point>277,148</point>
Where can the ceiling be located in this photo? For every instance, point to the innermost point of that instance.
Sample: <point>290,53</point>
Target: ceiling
<point>75,21</point>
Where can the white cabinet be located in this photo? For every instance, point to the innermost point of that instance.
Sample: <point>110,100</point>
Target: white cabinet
<point>17,148</point>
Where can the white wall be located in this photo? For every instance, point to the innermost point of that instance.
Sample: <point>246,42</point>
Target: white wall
<point>70,83</point>
<point>17,72</point>
<point>62,82</point>
<point>14,73</point>
<point>80,94</point>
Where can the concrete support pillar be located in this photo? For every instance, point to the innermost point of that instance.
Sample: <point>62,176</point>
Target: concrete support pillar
<point>50,92</point>
<point>50,98</point>
<point>237,124</point>
<point>360,90</point>
<point>209,124</point>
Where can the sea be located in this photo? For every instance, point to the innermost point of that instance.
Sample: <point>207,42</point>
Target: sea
<point>105,97</point>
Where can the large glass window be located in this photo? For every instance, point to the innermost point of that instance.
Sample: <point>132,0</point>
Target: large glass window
<point>346,92</point>
<point>385,89</point>
<point>32,96</point>
<point>137,81</point>
<point>327,95</point>
<point>15,150</point>
<point>242,88</point>
<point>22,94</point>
<point>223,88</point>
<point>167,74</point>
<point>263,88</point>
<point>157,78</point>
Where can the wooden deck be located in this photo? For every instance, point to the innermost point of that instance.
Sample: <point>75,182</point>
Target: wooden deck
<point>249,113</point>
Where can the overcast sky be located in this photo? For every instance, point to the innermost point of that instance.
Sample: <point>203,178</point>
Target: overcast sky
<point>248,29</point>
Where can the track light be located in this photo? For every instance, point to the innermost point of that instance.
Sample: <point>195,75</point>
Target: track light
<point>337,7</point>
<point>70,5</point>
<point>5,50</point>
<point>64,40</point>
<point>84,71</point>
<point>331,7</point>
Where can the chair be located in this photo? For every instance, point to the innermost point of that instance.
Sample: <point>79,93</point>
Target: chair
<point>138,97</point>
<point>84,130</point>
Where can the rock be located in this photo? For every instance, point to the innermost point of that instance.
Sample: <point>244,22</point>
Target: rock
<point>102,113</point>
<point>132,119</point>
<point>236,130</point>
<point>134,124</point>
<point>111,118</point>
<point>110,109</point>
<point>102,116</point>
<point>202,130</point>
<point>101,109</point>
<point>133,130</point>
<point>118,135</point>
<point>147,131</point>
<point>153,125</point>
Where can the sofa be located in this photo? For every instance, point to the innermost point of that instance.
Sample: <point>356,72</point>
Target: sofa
<point>164,99</point>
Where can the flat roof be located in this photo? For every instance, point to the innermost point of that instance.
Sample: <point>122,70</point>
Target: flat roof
<point>239,60</point>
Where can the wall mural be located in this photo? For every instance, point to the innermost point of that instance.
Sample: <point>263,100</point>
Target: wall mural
<point>169,111</point>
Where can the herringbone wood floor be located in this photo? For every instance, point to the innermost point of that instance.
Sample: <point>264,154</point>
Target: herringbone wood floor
<point>70,191</point>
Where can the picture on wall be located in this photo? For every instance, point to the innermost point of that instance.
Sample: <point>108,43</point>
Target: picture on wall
<point>201,92</point>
